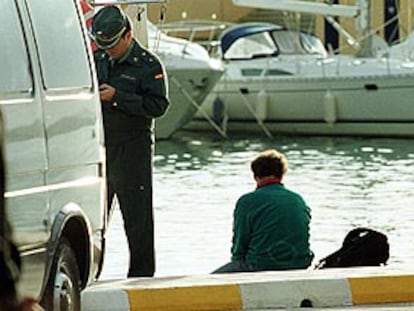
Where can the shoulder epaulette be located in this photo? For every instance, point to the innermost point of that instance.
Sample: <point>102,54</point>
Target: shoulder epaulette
<point>149,58</point>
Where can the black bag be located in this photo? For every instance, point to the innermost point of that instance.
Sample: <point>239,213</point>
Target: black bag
<point>361,247</point>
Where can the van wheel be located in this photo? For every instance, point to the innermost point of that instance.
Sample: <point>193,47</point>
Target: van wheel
<point>63,286</point>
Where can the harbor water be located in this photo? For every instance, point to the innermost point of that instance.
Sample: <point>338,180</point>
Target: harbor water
<point>347,182</point>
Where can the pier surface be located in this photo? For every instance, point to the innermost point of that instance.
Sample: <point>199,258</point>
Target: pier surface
<point>373,288</point>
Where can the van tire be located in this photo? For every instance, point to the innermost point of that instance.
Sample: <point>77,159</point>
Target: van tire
<point>63,287</point>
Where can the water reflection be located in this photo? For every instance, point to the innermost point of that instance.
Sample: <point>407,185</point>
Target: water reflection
<point>347,182</point>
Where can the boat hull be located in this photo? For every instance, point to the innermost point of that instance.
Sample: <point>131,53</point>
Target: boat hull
<point>364,105</point>
<point>188,88</point>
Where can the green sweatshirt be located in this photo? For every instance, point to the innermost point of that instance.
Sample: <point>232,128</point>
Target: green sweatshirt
<point>271,229</point>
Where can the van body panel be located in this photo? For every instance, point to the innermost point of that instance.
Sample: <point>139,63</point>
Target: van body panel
<point>25,137</point>
<point>64,65</point>
<point>33,265</point>
<point>82,187</point>
<point>53,137</point>
<point>71,128</point>
<point>24,149</point>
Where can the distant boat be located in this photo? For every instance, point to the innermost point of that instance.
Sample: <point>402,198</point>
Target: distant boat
<point>192,74</point>
<point>280,80</point>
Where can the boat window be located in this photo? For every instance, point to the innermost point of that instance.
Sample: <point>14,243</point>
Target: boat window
<point>62,51</point>
<point>14,65</point>
<point>251,72</point>
<point>313,45</point>
<point>295,42</point>
<point>256,45</point>
<point>288,41</point>
<point>277,72</point>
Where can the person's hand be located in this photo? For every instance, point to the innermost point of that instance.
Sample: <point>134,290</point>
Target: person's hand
<point>106,92</point>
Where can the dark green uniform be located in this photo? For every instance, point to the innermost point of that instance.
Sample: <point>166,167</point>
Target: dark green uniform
<point>141,95</point>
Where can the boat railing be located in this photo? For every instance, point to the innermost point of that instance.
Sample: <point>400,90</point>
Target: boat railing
<point>203,32</point>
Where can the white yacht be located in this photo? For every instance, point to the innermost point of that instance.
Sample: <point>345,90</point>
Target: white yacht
<point>192,74</point>
<point>280,80</point>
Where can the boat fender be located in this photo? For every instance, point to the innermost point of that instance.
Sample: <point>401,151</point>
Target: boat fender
<point>329,101</point>
<point>218,111</point>
<point>262,100</point>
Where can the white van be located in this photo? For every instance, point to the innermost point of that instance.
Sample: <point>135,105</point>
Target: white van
<point>55,185</point>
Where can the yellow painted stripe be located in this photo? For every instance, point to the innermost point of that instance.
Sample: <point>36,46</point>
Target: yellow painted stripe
<point>383,289</point>
<point>221,297</point>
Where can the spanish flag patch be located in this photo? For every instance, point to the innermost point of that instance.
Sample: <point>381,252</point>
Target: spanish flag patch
<point>158,76</point>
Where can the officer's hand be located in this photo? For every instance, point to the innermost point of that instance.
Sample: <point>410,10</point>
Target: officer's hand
<point>106,92</point>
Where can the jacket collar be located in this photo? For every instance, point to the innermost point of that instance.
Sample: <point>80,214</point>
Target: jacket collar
<point>268,181</point>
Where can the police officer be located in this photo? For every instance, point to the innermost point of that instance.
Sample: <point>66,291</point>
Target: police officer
<point>133,92</point>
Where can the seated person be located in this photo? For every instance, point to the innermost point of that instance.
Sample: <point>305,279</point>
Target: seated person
<point>271,223</point>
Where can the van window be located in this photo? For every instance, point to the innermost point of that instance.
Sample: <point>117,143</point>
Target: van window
<point>63,56</point>
<point>14,65</point>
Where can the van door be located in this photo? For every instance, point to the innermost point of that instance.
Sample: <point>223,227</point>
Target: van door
<point>71,108</point>
<point>25,149</point>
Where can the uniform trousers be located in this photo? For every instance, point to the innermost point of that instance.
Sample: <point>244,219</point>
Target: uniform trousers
<point>129,172</point>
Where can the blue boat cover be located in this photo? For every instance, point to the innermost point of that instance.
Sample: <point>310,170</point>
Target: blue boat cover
<point>229,36</point>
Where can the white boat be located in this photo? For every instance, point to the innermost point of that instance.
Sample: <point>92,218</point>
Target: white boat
<point>191,72</point>
<point>280,80</point>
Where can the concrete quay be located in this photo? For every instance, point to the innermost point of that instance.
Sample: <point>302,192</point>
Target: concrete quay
<point>362,289</point>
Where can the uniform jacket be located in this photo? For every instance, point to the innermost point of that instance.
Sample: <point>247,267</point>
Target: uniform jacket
<point>141,92</point>
<point>271,229</point>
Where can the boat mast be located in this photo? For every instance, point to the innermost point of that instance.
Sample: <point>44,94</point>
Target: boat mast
<point>138,17</point>
<point>363,27</point>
